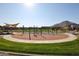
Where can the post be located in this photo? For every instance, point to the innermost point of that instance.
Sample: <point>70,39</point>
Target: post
<point>34,30</point>
<point>52,30</point>
<point>41,31</point>
<point>48,31</point>
<point>23,29</point>
<point>29,34</point>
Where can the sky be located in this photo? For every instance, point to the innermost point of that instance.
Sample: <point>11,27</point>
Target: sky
<point>39,14</point>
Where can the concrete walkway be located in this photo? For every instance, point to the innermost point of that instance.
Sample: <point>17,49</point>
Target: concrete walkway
<point>8,53</point>
<point>70,38</point>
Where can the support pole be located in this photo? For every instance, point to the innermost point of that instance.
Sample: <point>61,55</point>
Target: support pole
<point>34,30</point>
<point>48,30</point>
<point>23,29</point>
<point>41,31</point>
<point>29,34</point>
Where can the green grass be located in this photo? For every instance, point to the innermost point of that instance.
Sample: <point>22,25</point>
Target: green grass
<point>67,48</point>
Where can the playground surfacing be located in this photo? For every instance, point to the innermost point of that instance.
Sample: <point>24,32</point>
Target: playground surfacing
<point>39,37</point>
<point>45,38</point>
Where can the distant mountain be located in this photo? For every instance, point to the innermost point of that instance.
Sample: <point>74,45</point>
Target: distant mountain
<point>66,23</point>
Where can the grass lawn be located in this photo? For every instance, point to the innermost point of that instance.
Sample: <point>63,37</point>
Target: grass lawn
<point>67,48</point>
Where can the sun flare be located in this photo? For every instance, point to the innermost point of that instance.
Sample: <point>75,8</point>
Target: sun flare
<point>29,4</point>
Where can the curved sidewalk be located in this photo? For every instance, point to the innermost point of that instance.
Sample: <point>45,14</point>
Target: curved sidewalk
<point>70,38</point>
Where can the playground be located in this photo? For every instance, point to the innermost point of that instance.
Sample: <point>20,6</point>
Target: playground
<point>48,41</point>
<point>37,34</point>
<point>37,38</point>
